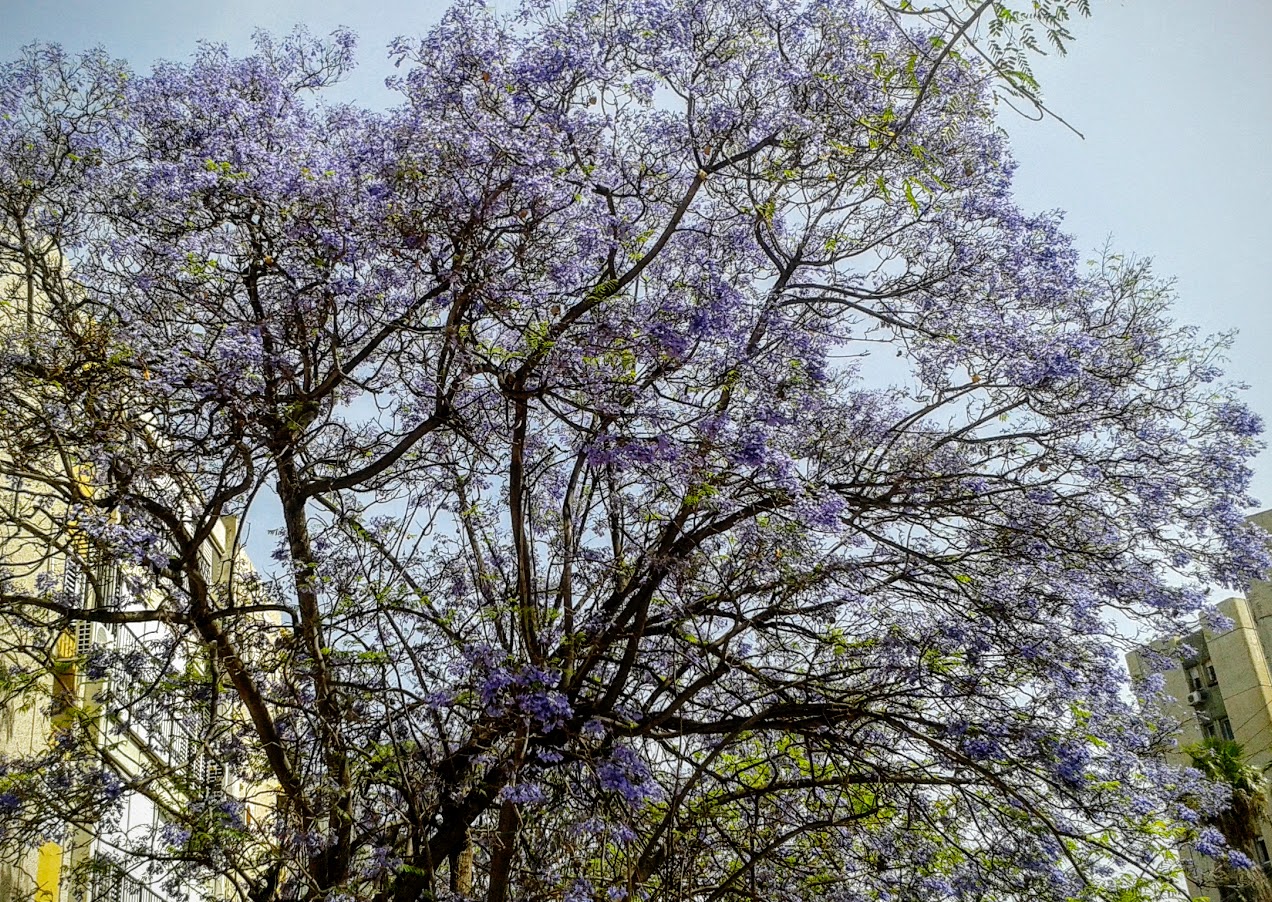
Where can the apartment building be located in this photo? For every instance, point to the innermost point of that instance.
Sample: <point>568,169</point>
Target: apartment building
<point>1223,686</point>
<point>137,737</point>
<point>102,681</point>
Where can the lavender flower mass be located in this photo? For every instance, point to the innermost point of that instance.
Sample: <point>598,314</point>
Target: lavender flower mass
<point>691,475</point>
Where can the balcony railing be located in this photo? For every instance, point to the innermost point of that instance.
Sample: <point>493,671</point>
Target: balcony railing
<point>112,883</point>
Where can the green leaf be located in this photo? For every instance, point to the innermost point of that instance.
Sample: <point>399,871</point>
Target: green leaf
<point>909,196</point>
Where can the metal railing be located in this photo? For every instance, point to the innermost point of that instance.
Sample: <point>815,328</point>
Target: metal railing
<point>111,883</point>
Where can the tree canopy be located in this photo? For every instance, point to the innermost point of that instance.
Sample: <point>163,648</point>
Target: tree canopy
<point>694,476</point>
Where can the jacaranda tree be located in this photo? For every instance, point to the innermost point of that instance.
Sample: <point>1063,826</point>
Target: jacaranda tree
<point>694,477</point>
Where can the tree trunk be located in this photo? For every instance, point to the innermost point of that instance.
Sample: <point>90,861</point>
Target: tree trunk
<point>501,857</point>
<point>461,869</point>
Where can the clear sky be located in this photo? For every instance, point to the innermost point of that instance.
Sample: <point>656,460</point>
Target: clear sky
<point>1174,98</point>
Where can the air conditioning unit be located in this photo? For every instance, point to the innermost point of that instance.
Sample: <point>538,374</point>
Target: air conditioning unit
<point>82,637</point>
<point>1197,696</point>
<point>89,635</point>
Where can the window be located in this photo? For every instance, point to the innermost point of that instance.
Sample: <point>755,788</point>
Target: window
<point>1208,729</point>
<point>1194,678</point>
<point>95,587</point>
<point>1212,678</point>
<point>1225,728</point>
<point>1261,850</point>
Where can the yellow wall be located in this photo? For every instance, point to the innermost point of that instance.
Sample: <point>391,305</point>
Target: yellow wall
<point>48,873</point>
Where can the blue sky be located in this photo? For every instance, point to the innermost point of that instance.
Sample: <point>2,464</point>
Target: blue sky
<point>1174,98</point>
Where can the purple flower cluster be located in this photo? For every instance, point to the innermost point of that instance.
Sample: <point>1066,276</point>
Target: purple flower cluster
<point>526,689</point>
<point>627,774</point>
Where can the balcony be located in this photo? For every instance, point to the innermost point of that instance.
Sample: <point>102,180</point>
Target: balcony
<point>111,883</point>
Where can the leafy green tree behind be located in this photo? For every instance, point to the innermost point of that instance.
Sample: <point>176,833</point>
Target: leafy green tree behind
<point>1224,761</point>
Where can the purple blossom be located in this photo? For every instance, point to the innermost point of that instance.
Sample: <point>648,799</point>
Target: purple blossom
<point>627,774</point>
<point>1239,861</point>
<point>1210,842</point>
<point>1239,420</point>
<point>524,794</point>
<point>174,836</point>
